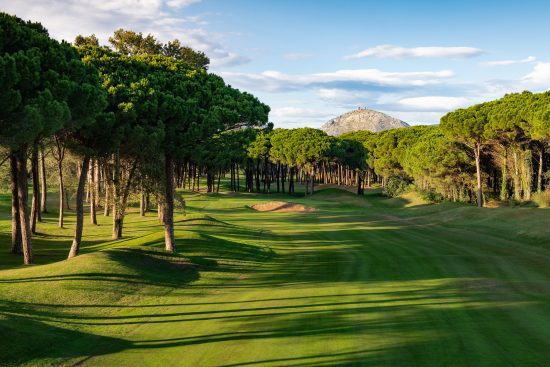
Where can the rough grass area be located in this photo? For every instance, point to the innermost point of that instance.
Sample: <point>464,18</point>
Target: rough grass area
<point>361,281</point>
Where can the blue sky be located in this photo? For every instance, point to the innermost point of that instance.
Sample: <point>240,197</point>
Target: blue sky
<point>313,60</point>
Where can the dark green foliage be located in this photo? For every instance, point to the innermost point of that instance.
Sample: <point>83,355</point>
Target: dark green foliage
<point>395,186</point>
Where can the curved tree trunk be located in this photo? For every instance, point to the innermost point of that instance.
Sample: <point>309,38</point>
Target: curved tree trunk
<point>22,193</point>
<point>169,240</point>
<point>75,247</point>
<point>16,246</point>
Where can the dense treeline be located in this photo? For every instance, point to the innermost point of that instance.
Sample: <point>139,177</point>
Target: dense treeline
<point>495,150</point>
<point>128,115</point>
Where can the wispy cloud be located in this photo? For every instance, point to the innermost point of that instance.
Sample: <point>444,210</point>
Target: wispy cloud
<point>276,81</point>
<point>397,52</point>
<point>433,103</point>
<point>508,62</point>
<point>161,18</point>
<point>296,56</point>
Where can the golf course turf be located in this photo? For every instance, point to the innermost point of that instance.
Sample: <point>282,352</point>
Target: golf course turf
<point>357,281</point>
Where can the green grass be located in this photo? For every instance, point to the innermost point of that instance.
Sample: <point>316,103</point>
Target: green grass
<point>361,281</point>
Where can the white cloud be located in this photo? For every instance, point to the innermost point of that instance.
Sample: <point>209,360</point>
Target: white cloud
<point>508,62</point>
<point>287,112</point>
<point>539,77</point>
<point>347,98</point>
<point>415,117</point>
<point>433,103</point>
<point>396,52</point>
<point>181,3</point>
<point>276,81</point>
<point>65,19</point>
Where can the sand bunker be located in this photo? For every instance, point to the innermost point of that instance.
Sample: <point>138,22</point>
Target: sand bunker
<point>282,207</point>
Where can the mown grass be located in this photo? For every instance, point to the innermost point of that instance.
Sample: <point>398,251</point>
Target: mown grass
<point>361,281</point>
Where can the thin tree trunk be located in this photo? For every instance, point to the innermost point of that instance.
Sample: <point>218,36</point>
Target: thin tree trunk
<point>169,240</point>
<point>108,187</point>
<point>142,202</point>
<point>44,184</point>
<point>16,247</point>
<point>539,174</point>
<point>60,156</point>
<point>75,247</point>
<point>36,214</point>
<point>22,193</point>
<point>504,173</point>
<point>92,188</point>
<point>477,153</point>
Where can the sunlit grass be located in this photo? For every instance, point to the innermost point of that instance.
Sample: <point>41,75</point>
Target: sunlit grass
<point>361,281</point>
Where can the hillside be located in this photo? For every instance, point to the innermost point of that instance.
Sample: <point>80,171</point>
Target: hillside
<point>361,119</point>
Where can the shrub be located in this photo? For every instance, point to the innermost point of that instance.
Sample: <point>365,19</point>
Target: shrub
<point>542,199</point>
<point>431,196</point>
<point>396,186</point>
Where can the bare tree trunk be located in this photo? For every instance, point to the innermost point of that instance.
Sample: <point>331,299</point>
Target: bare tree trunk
<point>169,240</point>
<point>75,247</point>
<point>60,156</point>
<point>36,214</point>
<point>477,153</point>
<point>142,202</point>
<point>539,174</point>
<point>504,173</point>
<point>22,192</point>
<point>117,220</point>
<point>120,201</point>
<point>92,188</point>
<point>43,181</point>
<point>16,246</point>
<point>108,188</point>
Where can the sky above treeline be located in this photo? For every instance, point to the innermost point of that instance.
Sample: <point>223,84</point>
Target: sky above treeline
<point>313,60</point>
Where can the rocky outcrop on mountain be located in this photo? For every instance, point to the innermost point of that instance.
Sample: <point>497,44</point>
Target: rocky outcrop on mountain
<point>361,119</point>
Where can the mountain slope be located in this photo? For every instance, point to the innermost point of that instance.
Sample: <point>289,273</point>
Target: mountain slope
<point>361,119</point>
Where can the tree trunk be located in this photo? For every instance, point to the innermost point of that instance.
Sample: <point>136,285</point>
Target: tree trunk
<point>75,247</point>
<point>36,213</point>
<point>504,182</point>
<point>43,181</point>
<point>61,185</point>
<point>92,188</point>
<point>117,218</point>
<point>142,202</point>
<point>169,240</point>
<point>22,193</point>
<point>108,187</point>
<point>539,174</point>
<point>477,153</point>
<point>16,247</point>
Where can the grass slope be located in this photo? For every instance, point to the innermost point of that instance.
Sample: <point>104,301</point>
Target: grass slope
<point>360,281</point>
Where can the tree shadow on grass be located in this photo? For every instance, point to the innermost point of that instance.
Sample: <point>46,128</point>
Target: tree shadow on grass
<point>37,340</point>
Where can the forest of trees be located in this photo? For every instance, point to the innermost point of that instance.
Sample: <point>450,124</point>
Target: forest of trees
<point>141,118</point>
<point>127,114</point>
